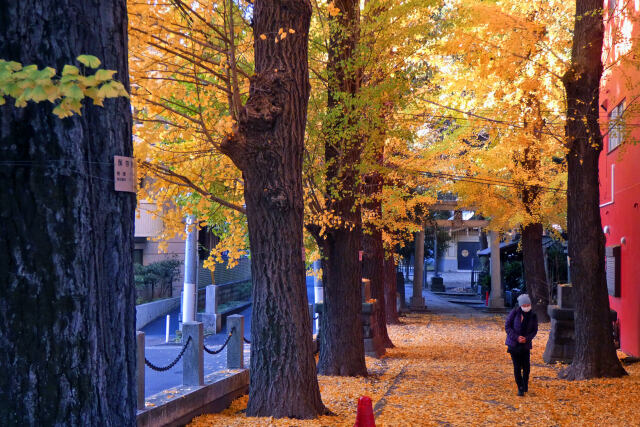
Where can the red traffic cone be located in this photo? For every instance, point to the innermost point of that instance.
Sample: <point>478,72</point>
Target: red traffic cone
<point>364,417</point>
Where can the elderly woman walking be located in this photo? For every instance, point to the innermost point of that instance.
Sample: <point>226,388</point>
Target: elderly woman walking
<point>521,327</point>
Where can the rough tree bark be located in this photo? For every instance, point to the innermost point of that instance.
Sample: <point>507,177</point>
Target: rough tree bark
<point>390,290</point>
<point>595,354</point>
<point>534,272</point>
<point>67,305</point>
<point>267,146</point>
<point>341,339</point>
<point>373,266</point>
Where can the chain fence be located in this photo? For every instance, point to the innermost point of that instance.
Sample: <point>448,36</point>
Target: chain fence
<point>223,345</point>
<point>170,365</point>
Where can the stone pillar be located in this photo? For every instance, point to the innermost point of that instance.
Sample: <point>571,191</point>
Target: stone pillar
<point>193,358</point>
<point>211,318</point>
<point>235,348</point>
<point>417,300</point>
<point>497,299</point>
<point>561,344</point>
<point>140,369</point>
<point>371,330</point>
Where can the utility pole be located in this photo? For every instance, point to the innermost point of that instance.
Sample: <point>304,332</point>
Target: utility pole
<point>189,299</point>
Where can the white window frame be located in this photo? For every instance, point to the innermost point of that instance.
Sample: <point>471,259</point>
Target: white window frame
<point>616,127</point>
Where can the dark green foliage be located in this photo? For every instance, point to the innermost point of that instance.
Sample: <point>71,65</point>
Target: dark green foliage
<point>513,274</point>
<point>154,280</point>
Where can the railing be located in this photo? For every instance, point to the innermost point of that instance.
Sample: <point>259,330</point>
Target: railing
<point>192,354</point>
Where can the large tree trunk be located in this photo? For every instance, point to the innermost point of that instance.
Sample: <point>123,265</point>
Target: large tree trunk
<point>268,148</point>
<point>390,290</point>
<point>534,272</point>
<point>67,305</point>
<point>341,338</point>
<point>595,354</point>
<point>373,268</point>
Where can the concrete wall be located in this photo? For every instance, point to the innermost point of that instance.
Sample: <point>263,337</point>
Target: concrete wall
<point>147,313</point>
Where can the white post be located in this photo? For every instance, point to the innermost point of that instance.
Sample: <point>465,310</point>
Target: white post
<point>496,300</point>
<point>318,293</point>
<point>166,332</point>
<point>190,271</point>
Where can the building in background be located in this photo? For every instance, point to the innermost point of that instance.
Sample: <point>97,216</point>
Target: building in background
<point>619,168</point>
<point>146,252</point>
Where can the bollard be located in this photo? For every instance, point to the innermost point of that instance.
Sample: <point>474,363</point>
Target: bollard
<point>211,318</point>
<point>235,348</point>
<point>140,368</point>
<point>193,359</point>
<point>311,317</point>
<point>211,301</point>
<point>166,330</point>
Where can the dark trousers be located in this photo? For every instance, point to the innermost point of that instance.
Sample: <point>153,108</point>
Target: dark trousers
<point>521,367</point>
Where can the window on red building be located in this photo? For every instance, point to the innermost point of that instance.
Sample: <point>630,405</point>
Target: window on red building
<point>616,126</point>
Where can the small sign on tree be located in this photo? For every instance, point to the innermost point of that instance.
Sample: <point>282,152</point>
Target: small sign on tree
<point>124,174</point>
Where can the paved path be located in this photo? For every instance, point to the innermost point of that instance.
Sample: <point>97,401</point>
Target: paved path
<point>437,304</point>
<point>159,353</point>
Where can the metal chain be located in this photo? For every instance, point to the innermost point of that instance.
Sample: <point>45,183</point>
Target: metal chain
<point>246,340</point>
<point>170,365</point>
<point>317,316</point>
<point>223,345</point>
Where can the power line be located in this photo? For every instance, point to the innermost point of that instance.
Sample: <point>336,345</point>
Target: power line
<point>489,181</point>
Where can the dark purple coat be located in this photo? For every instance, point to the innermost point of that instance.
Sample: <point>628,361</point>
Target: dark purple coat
<point>513,327</point>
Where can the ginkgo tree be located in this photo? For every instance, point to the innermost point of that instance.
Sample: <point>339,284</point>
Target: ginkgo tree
<point>67,322</point>
<point>361,82</point>
<point>501,106</point>
<point>222,108</point>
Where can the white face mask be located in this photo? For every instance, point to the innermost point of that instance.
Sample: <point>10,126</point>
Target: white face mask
<point>526,309</point>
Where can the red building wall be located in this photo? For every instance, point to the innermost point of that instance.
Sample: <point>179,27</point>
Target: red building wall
<point>620,205</point>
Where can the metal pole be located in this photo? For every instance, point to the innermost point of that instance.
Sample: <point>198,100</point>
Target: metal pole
<point>318,290</point>
<point>190,271</point>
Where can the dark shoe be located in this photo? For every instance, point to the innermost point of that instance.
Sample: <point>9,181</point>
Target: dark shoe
<point>520,392</point>
<point>526,388</point>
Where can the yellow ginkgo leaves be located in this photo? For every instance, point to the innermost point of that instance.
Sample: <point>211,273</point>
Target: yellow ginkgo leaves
<point>332,9</point>
<point>449,370</point>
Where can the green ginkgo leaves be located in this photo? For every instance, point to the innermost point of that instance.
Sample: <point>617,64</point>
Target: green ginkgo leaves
<point>66,91</point>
